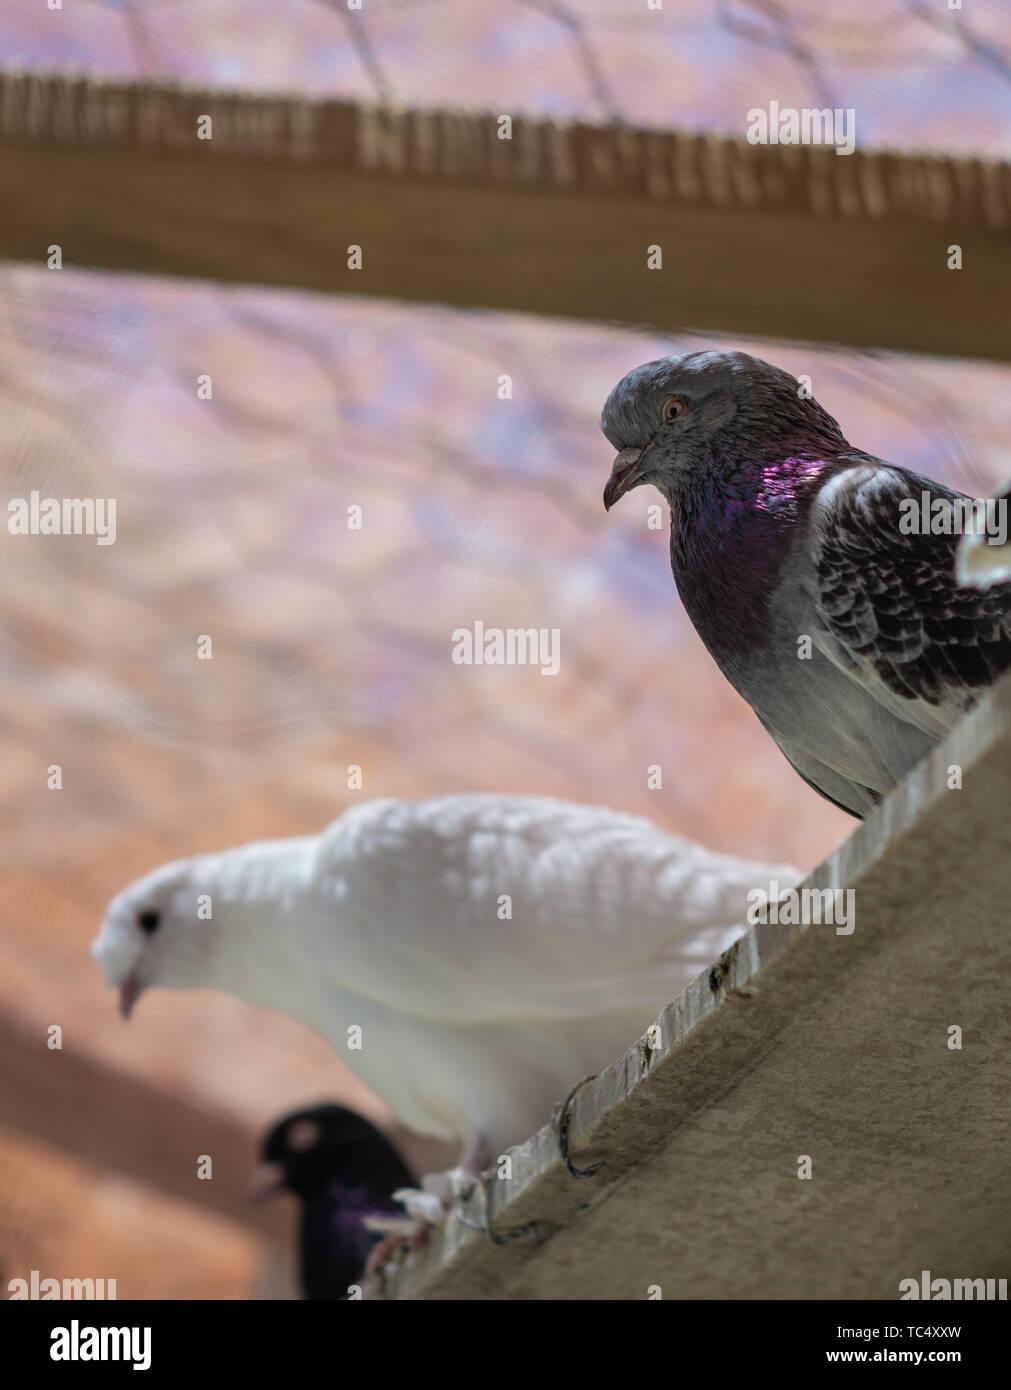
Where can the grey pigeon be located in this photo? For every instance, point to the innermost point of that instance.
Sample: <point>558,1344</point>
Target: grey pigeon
<point>782,531</point>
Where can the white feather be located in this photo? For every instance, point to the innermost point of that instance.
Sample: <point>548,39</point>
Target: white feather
<point>491,949</point>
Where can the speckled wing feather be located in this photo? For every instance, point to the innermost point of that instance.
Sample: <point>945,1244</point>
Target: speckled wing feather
<point>892,613</point>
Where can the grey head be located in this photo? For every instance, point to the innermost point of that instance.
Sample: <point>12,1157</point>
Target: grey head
<point>708,410</point>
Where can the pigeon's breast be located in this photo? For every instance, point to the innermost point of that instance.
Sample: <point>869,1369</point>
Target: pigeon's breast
<point>729,543</point>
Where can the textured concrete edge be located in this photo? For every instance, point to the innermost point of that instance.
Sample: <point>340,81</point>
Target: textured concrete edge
<point>598,1104</point>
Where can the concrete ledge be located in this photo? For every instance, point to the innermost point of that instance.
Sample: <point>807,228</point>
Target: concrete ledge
<point>798,1041</point>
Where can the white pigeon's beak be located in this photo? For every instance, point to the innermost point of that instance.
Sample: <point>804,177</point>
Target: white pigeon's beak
<point>625,475</point>
<point>130,991</point>
<point>268,1178</point>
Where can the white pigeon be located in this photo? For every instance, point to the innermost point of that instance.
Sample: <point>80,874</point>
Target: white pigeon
<point>984,552</point>
<point>469,957</point>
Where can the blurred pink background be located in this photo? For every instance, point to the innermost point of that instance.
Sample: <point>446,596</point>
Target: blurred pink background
<point>332,646</point>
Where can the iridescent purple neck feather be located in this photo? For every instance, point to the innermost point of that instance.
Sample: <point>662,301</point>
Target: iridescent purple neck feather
<point>730,533</point>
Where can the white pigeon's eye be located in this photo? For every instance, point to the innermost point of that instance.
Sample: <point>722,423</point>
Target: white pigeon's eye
<point>148,921</point>
<point>303,1135</point>
<point>672,407</point>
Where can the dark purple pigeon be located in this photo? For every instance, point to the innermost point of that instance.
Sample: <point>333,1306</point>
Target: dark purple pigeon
<point>782,531</point>
<point>343,1170</point>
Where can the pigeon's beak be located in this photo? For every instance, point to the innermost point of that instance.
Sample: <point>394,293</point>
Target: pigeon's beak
<point>268,1178</point>
<point>129,992</point>
<point>625,474</point>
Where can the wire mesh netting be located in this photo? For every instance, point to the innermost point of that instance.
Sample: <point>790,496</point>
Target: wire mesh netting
<point>331,644</point>
<point>700,67</point>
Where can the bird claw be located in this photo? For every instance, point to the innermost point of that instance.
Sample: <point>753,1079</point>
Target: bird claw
<point>409,1236</point>
<point>424,1205</point>
<point>425,1212</point>
<point>439,1192</point>
<point>428,1205</point>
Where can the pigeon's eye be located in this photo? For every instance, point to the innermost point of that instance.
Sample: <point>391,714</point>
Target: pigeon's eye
<point>148,920</point>
<point>672,407</point>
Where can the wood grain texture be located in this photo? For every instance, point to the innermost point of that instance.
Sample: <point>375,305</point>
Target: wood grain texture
<point>790,242</point>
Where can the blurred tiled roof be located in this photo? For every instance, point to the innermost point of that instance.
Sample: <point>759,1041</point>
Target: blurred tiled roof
<point>331,645</point>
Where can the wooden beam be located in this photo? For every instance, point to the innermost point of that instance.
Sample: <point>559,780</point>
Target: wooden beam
<point>791,242</point>
<point>69,1099</point>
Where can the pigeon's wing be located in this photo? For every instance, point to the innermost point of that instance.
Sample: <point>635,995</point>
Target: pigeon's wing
<point>491,908</point>
<point>850,796</point>
<point>890,610</point>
